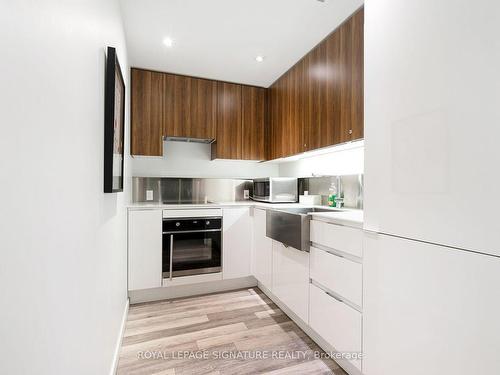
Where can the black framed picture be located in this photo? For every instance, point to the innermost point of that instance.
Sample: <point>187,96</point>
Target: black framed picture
<point>114,124</point>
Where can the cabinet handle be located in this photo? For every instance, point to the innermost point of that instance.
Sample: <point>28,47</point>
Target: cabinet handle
<point>333,253</point>
<point>171,255</point>
<point>331,295</point>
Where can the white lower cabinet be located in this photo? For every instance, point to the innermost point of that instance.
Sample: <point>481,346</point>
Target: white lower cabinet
<point>340,275</point>
<point>237,242</point>
<point>337,323</point>
<point>336,290</point>
<point>339,237</point>
<point>262,250</point>
<point>291,278</point>
<point>144,249</point>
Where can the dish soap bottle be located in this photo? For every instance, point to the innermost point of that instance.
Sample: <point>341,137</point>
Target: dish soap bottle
<point>332,194</point>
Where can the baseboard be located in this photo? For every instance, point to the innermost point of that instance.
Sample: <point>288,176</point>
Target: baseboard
<point>178,291</point>
<point>345,364</point>
<point>116,356</point>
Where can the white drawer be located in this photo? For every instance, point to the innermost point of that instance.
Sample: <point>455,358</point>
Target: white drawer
<point>338,237</point>
<point>337,323</point>
<point>340,275</point>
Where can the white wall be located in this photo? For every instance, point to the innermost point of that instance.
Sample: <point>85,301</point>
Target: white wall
<point>182,159</point>
<point>337,162</point>
<point>63,242</point>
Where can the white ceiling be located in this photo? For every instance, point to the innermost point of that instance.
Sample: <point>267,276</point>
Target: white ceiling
<point>219,39</point>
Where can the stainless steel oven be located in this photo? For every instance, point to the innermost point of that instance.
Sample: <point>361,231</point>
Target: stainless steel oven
<point>192,245</point>
<point>275,189</point>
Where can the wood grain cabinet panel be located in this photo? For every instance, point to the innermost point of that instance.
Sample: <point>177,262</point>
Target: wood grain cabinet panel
<point>293,129</point>
<point>254,122</point>
<point>315,125</point>
<point>277,136</point>
<point>190,107</point>
<point>357,79</point>
<point>350,75</point>
<point>147,105</point>
<point>228,143</point>
<point>284,107</point>
<point>273,123</point>
<point>332,134</point>
<point>319,101</point>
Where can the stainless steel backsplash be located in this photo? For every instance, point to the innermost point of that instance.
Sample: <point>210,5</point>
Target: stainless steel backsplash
<point>189,190</point>
<point>198,190</point>
<point>351,187</point>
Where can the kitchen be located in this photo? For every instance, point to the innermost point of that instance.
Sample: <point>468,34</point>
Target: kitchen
<point>288,187</point>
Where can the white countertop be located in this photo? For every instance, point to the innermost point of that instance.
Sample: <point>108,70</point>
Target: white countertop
<point>347,217</point>
<point>144,205</point>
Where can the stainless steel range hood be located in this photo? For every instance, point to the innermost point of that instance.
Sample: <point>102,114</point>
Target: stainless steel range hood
<point>192,140</point>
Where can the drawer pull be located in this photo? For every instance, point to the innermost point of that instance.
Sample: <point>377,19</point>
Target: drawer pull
<point>334,297</point>
<point>333,253</point>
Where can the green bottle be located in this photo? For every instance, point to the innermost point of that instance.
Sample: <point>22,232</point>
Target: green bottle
<point>332,195</point>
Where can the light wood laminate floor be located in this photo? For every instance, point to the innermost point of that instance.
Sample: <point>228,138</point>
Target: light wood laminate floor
<point>236,332</point>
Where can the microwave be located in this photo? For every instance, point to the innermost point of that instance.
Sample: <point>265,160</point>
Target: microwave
<point>275,189</point>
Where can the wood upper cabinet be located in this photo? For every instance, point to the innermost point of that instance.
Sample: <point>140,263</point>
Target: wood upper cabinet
<point>190,107</point>
<point>319,101</point>
<point>332,131</point>
<point>294,111</point>
<point>273,152</point>
<point>228,144</point>
<point>277,136</point>
<point>254,123</point>
<point>288,108</point>
<point>170,105</point>
<point>357,75</point>
<point>241,122</point>
<point>315,101</point>
<point>147,105</point>
<point>345,59</point>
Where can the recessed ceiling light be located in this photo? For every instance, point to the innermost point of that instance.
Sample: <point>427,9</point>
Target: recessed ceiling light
<point>259,58</point>
<point>169,42</point>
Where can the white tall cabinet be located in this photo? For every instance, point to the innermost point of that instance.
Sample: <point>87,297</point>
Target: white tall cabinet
<point>429,309</point>
<point>262,249</point>
<point>431,130</point>
<point>144,249</point>
<point>432,115</point>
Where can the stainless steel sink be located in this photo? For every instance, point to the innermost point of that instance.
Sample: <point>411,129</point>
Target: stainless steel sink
<point>291,226</point>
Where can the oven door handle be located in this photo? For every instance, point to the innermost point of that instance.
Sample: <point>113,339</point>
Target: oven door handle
<point>193,231</point>
<point>171,255</point>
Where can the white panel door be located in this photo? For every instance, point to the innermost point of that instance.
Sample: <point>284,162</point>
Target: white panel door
<point>429,309</point>
<point>432,115</point>
<point>291,278</point>
<point>262,249</point>
<point>237,242</point>
<point>144,249</point>
<point>337,237</point>
<point>337,323</point>
<point>338,274</point>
